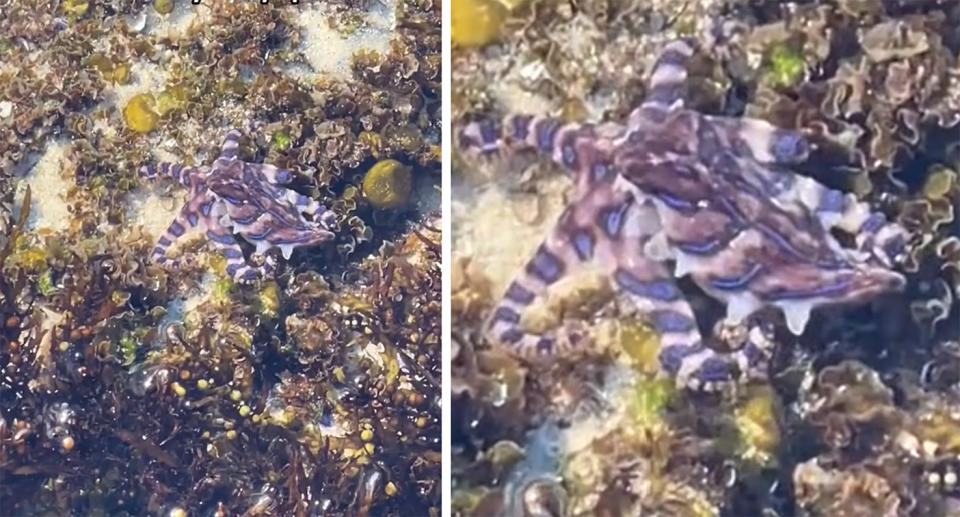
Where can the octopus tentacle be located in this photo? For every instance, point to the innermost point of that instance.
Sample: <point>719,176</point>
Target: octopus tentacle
<point>185,219</point>
<point>185,175</point>
<point>228,246</point>
<point>555,257</point>
<point>581,238</point>
<point>667,85</point>
<point>274,174</point>
<point>231,144</point>
<point>576,147</point>
<point>761,140</point>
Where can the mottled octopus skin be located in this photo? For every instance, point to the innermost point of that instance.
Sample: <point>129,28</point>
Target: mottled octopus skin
<point>234,197</point>
<point>676,192</point>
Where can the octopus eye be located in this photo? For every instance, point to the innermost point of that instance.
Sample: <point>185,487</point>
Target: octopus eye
<point>284,176</point>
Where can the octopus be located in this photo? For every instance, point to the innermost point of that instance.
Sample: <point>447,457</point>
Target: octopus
<point>233,197</point>
<point>675,192</point>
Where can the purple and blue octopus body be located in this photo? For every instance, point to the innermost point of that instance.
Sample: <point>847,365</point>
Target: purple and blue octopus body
<point>236,198</point>
<point>676,192</point>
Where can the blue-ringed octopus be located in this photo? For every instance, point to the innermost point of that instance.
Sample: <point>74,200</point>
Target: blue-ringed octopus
<point>676,192</point>
<point>233,197</point>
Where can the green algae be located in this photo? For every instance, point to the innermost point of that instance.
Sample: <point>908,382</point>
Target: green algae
<point>784,66</point>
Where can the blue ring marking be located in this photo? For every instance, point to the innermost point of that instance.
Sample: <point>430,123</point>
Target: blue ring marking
<point>781,241</point>
<point>700,248</point>
<point>283,176</point>
<point>260,236</point>
<point>519,294</point>
<point>714,369</point>
<point>221,238</point>
<point>488,133</point>
<point>546,130</point>
<point>732,283</point>
<point>232,269</point>
<point>600,170</point>
<point>789,146</point>
<point>665,321</point>
<point>545,266</point>
<point>231,253</point>
<point>835,289</point>
<point>192,219</point>
<point>583,244</point>
<point>672,356</point>
<point>753,353</point>
<point>831,201</point>
<point>545,346</point>
<point>205,208</point>
<point>159,251</point>
<point>163,241</point>
<point>873,223</point>
<point>176,229</point>
<point>612,219</point>
<point>511,336</point>
<point>521,127</point>
<point>245,220</point>
<point>675,202</point>
<point>663,290</point>
<point>506,314</point>
<point>569,155</point>
<point>297,240</point>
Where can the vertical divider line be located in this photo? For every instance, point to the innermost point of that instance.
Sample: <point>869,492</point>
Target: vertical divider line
<point>446,146</point>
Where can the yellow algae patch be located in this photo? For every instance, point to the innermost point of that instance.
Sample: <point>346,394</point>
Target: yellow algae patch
<point>474,23</point>
<point>387,185</point>
<point>144,77</point>
<point>140,113</point>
